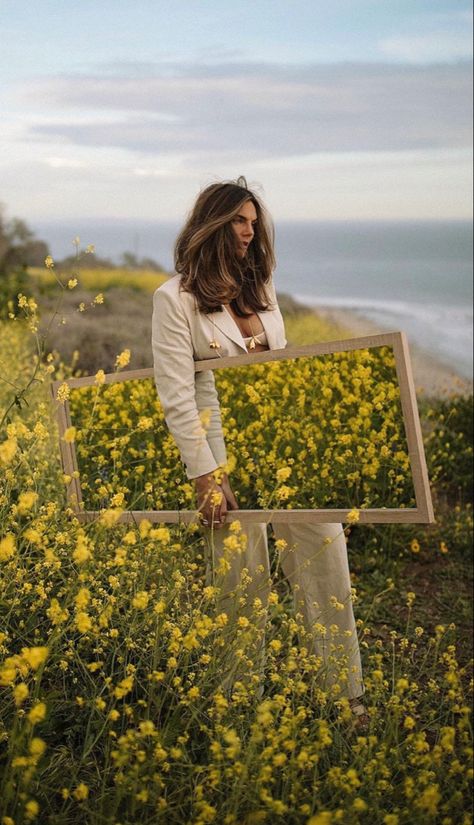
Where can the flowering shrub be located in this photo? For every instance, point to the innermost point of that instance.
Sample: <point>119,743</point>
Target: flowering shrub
<point>114,649</point>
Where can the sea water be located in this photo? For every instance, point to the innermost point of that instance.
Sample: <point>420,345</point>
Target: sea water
<point>413,276</point>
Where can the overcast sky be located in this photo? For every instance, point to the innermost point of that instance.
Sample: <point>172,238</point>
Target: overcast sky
<point>361,109</point>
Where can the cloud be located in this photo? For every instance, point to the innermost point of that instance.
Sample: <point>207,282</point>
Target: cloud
<point>425,48</point>
<point>217,111</point>
<point>65,163</point>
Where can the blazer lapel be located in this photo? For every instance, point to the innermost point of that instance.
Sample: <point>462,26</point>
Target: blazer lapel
<point>266,319</point>
<point>224,321</point>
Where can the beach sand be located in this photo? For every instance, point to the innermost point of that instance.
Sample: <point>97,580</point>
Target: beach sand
<point>432,377</point>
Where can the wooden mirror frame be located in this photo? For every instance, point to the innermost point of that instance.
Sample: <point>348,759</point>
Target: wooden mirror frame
<point>421,514</point>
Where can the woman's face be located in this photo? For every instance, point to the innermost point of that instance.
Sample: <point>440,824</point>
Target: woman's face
<point>243,225</point>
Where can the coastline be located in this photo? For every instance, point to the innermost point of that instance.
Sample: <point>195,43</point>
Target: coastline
<point>432,376</point>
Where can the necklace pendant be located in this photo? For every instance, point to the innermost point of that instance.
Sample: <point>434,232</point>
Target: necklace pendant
<point>252,344</point>
<point>214,344</point>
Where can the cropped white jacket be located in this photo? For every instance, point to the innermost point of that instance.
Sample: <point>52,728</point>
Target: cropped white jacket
<point>181,335</point>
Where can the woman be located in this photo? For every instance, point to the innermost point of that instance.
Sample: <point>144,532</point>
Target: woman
<point>222,302</point>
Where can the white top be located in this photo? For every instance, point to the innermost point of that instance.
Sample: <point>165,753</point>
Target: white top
<point>261,338</point>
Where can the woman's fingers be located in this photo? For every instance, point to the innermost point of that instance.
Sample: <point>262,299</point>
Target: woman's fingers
<point>233,503</point>
<point>230,497</point>
<point>213,507</point>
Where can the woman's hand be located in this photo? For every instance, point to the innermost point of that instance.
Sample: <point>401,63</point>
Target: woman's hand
<point>214,500</point>
<point>229,495</point>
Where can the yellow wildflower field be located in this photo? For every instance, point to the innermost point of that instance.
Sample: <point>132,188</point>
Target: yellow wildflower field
<point>114,645</point>
<point>99,279</point>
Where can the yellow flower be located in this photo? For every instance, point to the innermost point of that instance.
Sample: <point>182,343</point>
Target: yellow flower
<point>322,818</point>
<point>284,492</point>
<point>8,670</point>
<point>160,534</point>
<point>37,713</point>
<point>63,392</point>
<point>26,501</point>
<point>145,423</point>
<point>443,548</point>
<point>31,809</point>
<point>34,656</point>
<point>48,262</point>
<point>353,517</point>
<point>205,417</point>
<point>81,792</point>
<point>415,546</point>
<point>56,613</point>
<point>194,693</point>
<point>140,601</point>
<point>72,283</point>
<point>100,377</point>
<point>109,518</point>
<point>7,451</point>
<point>82,552</point>
<point>117,500</point>
<point>123,687</point>
<point>82,598</point>
<point>37,747</point>
<point>7,547</point>
<point>429,799</point>
<point>83,622</point>
<point>283,474</point>
<point>20,693</point>
<point>99,299</point>
<point>123,359</point>
<point>147,727</point>
<point>69,435</point>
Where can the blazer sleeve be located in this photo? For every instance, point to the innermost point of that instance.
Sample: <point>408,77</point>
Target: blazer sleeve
<point>277,312</point>
<point>183,392</point>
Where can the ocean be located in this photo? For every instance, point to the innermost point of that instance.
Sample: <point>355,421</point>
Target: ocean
<point>410,276</point>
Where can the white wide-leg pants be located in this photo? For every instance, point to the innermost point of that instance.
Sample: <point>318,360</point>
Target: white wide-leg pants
<point>314,560</point>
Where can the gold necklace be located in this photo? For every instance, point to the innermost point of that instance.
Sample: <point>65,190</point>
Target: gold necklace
<point>214,343</point>
<point>253,340</point>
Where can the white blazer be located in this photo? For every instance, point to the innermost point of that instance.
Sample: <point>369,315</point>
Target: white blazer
<point>181,335</point>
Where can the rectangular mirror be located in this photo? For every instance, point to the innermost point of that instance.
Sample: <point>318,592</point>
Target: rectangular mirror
<point>311,433</point>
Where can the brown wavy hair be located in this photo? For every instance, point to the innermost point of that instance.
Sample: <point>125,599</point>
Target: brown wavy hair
<point>206,252</point>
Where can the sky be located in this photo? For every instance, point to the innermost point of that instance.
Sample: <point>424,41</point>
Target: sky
<point>116,110</point>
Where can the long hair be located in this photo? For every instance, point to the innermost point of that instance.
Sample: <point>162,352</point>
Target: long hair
<point>206,252</point>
